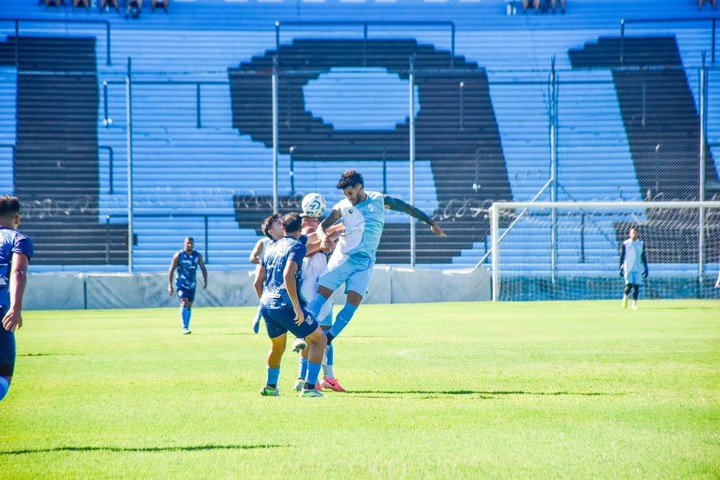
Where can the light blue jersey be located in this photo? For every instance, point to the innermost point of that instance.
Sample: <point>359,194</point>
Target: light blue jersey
<point>352,260</point>
<point>363,224</point>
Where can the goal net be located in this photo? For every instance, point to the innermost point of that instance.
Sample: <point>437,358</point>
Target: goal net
<point>571,250</point>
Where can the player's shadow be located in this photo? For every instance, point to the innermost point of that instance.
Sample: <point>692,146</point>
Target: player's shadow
<point>45,354</point>
<point>192,448</point>
<point>482,394</point>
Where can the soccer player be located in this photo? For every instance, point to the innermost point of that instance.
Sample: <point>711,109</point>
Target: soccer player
<point>633,265</point>
<point>15,252</point>
<point>277,284</point>
<point>313,267</point>
<point>272,227</point>
<point>363,215</point>
<point>186,263</point>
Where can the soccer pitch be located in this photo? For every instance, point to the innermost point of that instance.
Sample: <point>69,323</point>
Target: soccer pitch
<point>455,390</point>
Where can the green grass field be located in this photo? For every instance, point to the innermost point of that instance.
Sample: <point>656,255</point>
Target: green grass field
<point>473,390</point>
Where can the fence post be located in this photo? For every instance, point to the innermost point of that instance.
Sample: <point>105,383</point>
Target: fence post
<point>411,115</point>
<point>275,132</point>
<point>622,41</point>
<point>701,192</point>
<point>207,238</point>
<point>129,142</point>
<point>198,123</point>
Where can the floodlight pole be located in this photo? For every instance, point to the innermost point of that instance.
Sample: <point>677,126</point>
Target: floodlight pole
<point>553,170</point>
<point>129,148</point>
<point>275,133</point>
<point>411,116</point>
<point>703,147</point>
<point>495,242</point>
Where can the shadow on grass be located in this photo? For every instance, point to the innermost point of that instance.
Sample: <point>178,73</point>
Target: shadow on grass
<point>45,354</point>
<point>195,448</point>
<point>480,393</point>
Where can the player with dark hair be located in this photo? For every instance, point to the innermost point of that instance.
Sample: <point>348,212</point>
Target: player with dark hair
<point>15,252</point>
<point>272,228</point>
<point>186,263</point>
<point>277,285</point>
<point>633,266</point>
<point>363,216</point>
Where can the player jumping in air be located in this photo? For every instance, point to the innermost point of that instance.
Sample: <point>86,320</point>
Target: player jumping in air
<point>633,266</point>
<point>363,215</point>
<point>186,263</point>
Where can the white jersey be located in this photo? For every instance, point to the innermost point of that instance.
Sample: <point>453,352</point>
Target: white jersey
<point>312,268</point>
<point>633,256</point>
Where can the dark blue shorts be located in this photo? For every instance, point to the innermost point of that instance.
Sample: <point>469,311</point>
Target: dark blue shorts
<point>7,352</point>
<point>188,293</point>
<point>278,321</point>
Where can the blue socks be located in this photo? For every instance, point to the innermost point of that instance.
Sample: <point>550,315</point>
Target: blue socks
<point>4,387</point>
<point>302,371</point>
<point>185,317</point>
<point>313,372</point>
<point>272,376</point>
<point>342,319</point>
<point>316,305</point>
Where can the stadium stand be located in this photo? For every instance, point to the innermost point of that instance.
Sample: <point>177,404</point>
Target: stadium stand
<point>202,129</point>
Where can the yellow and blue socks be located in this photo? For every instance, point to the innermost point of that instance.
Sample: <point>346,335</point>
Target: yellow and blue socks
<point>4,387</point>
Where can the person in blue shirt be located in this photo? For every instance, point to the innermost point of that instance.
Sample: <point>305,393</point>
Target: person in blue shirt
<point>16,250</point>
<point>185,263</point>
<point>273,229</point>
<point>363,215</point>
<point>277,285</point>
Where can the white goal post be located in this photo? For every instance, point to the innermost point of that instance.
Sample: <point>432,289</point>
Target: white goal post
<point>570,250</point>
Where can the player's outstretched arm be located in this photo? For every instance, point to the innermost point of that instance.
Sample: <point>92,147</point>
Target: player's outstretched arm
<point>256,252</point>
<point>201,264</point>
<point>622,259</point>
<point>171,273</point>
<point>399,206</point>
<point>18,279</point>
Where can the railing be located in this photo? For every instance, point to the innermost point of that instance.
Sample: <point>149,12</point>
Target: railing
<point>138,217</point>
<point>111,166</point>
<point>17,21</point>
<point>198,94</point>
<point>666,20</point>
<point>366,26</point>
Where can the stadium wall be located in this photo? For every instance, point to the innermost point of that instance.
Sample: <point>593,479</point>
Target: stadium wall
<point>56,291</point>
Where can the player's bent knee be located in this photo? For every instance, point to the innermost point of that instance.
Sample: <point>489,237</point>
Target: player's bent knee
<point>354,298</point>
<point>324,291</point>
<point>317,337</point>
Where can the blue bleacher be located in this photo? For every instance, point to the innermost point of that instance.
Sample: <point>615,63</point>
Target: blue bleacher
<point>198,42</point>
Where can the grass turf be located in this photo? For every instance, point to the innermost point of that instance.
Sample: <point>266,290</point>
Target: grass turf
<point>471,390</point>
